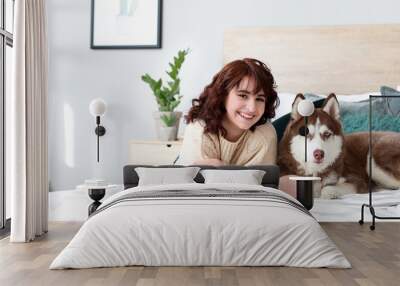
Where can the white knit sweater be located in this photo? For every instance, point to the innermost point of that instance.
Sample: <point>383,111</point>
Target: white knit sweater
<point>252,148</point>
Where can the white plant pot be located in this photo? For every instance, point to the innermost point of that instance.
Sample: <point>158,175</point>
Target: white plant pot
<point>166,133</point>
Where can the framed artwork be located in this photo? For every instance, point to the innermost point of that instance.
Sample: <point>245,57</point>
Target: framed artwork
<point>126,24</point>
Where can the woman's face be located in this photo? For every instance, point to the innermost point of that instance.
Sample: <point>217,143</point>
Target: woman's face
<point>243,107</point>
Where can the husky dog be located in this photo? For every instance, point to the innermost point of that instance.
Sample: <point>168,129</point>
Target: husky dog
<point>340,160</point>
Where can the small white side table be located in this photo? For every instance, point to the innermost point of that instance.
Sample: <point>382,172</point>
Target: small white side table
<point>304,190</point>
<point>154,152</point>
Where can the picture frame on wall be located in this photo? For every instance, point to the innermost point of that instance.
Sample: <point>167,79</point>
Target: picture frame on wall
<point>126,24</point>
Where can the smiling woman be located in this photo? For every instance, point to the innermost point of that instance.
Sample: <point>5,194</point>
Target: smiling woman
<point>229,123</point>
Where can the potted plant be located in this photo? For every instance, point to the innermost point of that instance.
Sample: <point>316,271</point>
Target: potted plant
<point>168,97</point>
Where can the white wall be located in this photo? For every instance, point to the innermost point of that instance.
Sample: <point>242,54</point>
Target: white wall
<point>79,74</point>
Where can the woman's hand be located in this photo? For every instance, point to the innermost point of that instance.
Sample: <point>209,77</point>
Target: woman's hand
<point>212,162</point>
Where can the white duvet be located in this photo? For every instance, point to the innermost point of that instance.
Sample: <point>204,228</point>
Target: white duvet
<point>200,231</point>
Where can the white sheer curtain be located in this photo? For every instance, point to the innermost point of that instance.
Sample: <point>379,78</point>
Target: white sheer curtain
<point>28,123</point>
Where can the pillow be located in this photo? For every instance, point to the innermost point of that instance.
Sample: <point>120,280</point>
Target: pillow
<point>131,177</point>
<point>355,97</point>
<point>355,104</point>
<point>163,176</point>
<point>248,177</point>
<point>393,104</point>
<point>385,113</point>
<point>380,122</point>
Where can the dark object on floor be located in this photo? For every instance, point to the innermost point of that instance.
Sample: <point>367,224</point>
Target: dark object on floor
<point>96,195</point>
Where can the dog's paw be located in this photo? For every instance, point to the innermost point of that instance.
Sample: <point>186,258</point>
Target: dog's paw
<point>317,189</point>
<point>330,192</point>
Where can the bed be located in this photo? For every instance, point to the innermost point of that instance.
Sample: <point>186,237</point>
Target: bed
<point>198,224</point>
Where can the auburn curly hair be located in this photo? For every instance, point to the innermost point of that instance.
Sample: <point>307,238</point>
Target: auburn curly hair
<point>210,106</point>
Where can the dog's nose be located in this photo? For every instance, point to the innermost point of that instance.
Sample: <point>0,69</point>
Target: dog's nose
<point>318,154</point>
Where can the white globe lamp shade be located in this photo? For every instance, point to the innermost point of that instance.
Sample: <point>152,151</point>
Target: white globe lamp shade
<point>305,107</point>
<point>97,107</point>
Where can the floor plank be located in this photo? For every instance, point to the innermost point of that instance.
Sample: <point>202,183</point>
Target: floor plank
<point>375,257</point>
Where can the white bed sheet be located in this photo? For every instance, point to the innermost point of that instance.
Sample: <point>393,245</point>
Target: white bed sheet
<point>348,207</point>
<point>224,232</point>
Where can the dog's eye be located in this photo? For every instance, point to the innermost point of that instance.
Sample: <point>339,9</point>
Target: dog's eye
<point>326,134</point>
<point>303,131</point>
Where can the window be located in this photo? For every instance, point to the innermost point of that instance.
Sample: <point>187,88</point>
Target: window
<point>6,44</point>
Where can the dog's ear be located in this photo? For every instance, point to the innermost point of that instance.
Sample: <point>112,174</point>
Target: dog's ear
<point>295,114</point>
<point>331,106</point>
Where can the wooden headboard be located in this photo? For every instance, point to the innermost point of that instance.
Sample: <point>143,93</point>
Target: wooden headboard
<point>322,59</point>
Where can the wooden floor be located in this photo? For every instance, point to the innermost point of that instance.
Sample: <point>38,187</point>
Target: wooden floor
<point>374,255</point>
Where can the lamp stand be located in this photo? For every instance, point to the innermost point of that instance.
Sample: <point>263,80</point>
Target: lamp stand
<point>305,138</point>
<point>100,131</point>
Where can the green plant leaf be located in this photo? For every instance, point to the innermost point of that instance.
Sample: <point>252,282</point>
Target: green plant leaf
<point>167,96</point>
<point>174,104</point>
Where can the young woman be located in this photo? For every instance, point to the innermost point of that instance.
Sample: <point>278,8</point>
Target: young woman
<point>229,123</point>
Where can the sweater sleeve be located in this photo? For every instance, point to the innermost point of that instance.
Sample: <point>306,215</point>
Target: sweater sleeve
<point>191,145</point>
<point>196,145</point>
<point>267,147</point>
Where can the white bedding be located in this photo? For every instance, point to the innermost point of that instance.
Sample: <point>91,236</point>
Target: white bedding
<point>200,231</point>
<point>348,207</point>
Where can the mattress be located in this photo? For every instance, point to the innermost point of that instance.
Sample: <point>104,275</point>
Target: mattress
<point>201,225</point>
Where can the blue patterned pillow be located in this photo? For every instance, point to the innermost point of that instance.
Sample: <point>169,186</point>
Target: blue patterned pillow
<point>385,113</point>
<point>393,104</point>
<point>360,122</point>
